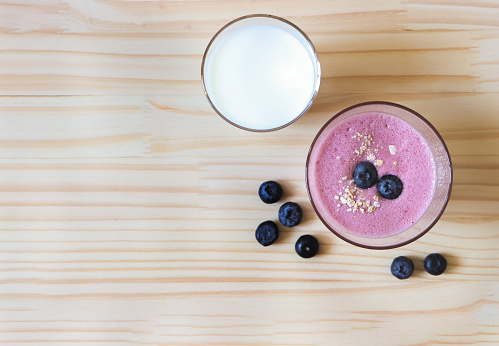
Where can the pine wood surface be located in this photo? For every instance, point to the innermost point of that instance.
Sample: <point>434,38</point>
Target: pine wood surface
<point>128,207</point>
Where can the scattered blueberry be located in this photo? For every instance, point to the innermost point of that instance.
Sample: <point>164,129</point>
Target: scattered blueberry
<point>435,264</point>
<point>402,267</point>
<point>270,192</point>
<point>290,214</point>
<point>365,175</point>
<point>267,233</point>
<point>307,246</point>
<point>389,186</point>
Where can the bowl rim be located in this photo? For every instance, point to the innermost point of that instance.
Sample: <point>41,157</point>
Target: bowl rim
<point>315,55</point>
<point>405,242</point>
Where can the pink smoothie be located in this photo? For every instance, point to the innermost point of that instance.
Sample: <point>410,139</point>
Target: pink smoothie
<point>395,147</point>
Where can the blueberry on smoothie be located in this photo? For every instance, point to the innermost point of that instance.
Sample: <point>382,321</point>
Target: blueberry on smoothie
<point>435,264</point>
<point>307,246</point>
<point>270,192</point>
<point>365,175</point>
<point>389,186</point>
<point>267,233</point>
<point>290,214</point>
<point>402,267</point>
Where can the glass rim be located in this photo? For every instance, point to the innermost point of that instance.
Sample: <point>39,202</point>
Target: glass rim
<point>420,234</point>
<point>316,61</point>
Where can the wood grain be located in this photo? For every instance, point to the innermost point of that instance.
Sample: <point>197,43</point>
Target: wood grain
<point>128,207</point>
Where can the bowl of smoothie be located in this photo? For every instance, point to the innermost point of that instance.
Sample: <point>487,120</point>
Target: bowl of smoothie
<point>260,73</point>
<point>378,175</point>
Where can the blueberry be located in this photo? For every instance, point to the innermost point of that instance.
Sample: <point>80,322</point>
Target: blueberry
<point>389,186</point>
<point>290,214</point>
<point>307,246</point>
<point>365,175</point>
<point>435,264</point>
<point>270,192</point>
<point>267,233</point>
<point>402,267</point>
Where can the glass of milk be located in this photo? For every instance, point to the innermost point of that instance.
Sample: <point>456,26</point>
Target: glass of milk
<point>260,73</point>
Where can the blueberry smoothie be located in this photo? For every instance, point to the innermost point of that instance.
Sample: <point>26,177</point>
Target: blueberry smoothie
<point>389,154</point>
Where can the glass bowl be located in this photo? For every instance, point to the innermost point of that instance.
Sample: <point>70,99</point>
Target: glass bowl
<point>443,176</point>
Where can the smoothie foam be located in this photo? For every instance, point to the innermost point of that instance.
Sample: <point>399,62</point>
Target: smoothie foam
<point>410,159</point>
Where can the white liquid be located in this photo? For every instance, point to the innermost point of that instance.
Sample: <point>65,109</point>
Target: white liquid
<point>260,77</point>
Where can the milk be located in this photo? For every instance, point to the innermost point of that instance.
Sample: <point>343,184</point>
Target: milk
<point>260,76</point>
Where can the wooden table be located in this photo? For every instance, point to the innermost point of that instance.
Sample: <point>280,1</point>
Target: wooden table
<point>128,207</point>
